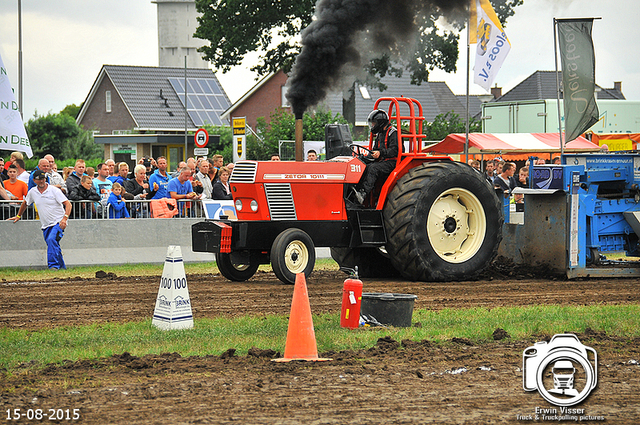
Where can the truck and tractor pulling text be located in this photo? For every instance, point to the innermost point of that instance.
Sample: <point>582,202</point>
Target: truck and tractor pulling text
<point>432,219</point>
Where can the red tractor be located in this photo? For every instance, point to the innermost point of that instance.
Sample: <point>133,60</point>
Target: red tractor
<point>432,219</point>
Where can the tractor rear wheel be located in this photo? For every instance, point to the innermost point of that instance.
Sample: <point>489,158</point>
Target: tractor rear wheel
<point>371,262</point>
<point>443,222</point>
<point>237,269</point>
<point>292,252</point>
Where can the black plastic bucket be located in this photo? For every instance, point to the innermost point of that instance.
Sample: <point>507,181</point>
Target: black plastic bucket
<point>389,309</point>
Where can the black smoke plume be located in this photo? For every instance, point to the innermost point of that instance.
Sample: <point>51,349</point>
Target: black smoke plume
<point>347,34</point>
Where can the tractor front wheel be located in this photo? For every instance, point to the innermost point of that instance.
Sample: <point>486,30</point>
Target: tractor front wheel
<point>443,222</point>
<point>237,267</point>
<point>292,252</point>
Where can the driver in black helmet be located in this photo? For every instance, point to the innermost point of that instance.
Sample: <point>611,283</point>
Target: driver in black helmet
<point>383,154</point>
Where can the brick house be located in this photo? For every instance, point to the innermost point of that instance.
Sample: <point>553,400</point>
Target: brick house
<point>136,111</point>
<point>268,94</point>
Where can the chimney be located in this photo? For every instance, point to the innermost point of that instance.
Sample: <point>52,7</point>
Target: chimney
<point>617,85</point>
<point>496,91</point>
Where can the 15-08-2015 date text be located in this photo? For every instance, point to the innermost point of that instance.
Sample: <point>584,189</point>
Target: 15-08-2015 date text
<point>43,414</point>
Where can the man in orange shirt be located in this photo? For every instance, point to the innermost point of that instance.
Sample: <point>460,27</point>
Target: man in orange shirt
<point>18,188</point>
<point>14,190</point>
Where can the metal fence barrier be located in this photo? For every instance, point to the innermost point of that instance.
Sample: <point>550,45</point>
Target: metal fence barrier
<point>89,210</point>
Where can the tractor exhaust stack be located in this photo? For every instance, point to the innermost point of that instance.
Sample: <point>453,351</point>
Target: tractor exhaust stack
<point>299,141</point>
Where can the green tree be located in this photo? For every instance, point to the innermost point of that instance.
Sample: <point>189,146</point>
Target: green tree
<point>60,135</point>
<point>445,124</point>
<point>283,127</point>
<point>225,145</point>
<point>237,27</point>
<point>83,146</point>
<point>72,110</point>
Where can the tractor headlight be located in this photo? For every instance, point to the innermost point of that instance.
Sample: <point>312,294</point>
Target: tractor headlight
<point>254,205</point>
<point>238,205</point>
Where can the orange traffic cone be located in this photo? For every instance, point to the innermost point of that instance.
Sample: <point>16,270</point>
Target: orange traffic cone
<point>301,338</point>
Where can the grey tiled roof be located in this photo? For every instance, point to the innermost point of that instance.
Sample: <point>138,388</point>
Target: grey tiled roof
<point>475,104</point>
<point>542,85</point>
<point>446,100</point>
<point>140,87</point>
<point>612,93</point>
<point>435,97</point>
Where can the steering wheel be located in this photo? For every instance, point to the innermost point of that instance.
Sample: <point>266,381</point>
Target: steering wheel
<point>356,150</point>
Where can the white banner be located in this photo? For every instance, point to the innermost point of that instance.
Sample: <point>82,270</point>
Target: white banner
<point>13,136</point>
<point>492,44</point>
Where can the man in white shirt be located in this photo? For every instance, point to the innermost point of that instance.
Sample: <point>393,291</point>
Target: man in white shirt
<point>54,209</point>
<point>22,173</point>
<point>203,177</point>
<point>55,179</point>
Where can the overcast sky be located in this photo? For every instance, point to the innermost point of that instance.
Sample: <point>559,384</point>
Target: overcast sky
<point>66,42</point>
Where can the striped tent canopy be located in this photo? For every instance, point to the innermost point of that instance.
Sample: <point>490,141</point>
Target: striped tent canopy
<point>511,145</point>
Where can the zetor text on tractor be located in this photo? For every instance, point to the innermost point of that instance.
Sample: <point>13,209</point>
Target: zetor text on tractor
<point>432,219</point>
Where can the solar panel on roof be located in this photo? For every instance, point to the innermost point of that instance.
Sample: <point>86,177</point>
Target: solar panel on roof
<point>215,104</point>
<point>207,88</point>
<point>205,99</point>
<point>214,86</point>
<point>205,102</point>
<point>195,86</point>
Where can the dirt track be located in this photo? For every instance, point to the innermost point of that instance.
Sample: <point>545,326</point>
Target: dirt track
<point>412,382</point>
<point>118,299</point>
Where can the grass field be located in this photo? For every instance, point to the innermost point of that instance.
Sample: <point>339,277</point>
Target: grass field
<point>214,336</point>
<point>13,274</point>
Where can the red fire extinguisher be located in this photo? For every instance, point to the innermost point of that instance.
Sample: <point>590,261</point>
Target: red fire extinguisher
<point>351,299</point>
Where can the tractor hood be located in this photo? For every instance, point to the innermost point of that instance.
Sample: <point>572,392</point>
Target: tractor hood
<point>288,190</point>
<point>343,169</point>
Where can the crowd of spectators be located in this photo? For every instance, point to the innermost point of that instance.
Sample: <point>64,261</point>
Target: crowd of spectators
<point>505,175</point>
<point>113,191</point>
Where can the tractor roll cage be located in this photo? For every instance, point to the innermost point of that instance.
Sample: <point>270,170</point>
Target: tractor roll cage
<point>414,135</point>
<point>414,155</point>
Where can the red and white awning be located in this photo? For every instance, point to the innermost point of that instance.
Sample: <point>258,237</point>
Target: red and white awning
<point>514,143</point>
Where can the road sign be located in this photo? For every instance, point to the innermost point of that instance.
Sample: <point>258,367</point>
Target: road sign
<point>201,151</point>
<point>239,138</point>
<point>239,125</point>
<point>201,138</point>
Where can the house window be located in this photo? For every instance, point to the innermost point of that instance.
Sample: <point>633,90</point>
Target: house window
<point>284,101</point>
<point>364,92</point>
<point>107,98</point>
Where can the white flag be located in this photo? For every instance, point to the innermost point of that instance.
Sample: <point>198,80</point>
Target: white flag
<point>492,43</point>
<point>13,136</point>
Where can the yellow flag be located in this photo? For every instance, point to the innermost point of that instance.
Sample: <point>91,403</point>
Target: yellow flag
<point>473,22</point>
<point>492,43</point>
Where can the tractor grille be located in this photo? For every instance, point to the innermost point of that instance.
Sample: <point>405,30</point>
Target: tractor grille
<point>280,200</point>
<point>244,172</point>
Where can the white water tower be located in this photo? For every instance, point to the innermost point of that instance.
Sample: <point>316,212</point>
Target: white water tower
<point>176,25</point>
